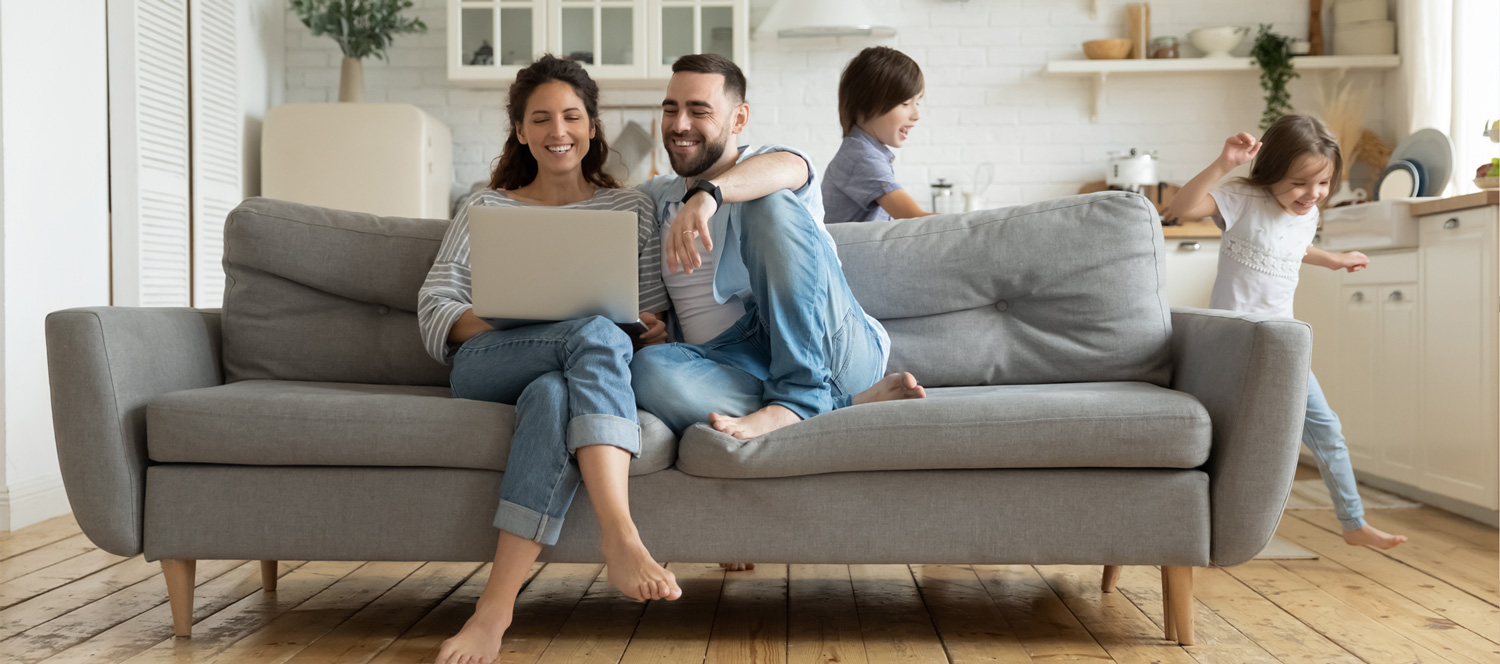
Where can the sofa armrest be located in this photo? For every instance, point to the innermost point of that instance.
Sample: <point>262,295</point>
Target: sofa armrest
<point>105,364</point>
<point>1250,372</point>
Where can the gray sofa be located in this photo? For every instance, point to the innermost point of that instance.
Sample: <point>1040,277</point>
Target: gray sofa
<point>1072,418</point>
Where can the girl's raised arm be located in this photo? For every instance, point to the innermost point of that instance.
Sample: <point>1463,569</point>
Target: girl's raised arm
<point>1193,201</point>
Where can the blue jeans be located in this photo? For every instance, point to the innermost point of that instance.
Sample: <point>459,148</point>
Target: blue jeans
<point>1322,433</point>
<point>803,343</point>
<point>570,384</point>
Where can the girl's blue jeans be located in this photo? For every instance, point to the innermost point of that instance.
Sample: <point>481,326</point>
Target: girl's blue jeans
<point>570,384</point>
<point>1322,433</point>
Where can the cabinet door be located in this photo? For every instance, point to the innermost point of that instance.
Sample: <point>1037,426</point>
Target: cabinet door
<point>683,27</point>
<point>1191,266</point>
<point>1459,365</point>
<point>607,36</point>
<point>494,38</point>
<point>1318,303</point>
<point>1351,393</point>
<point>1395,405</point>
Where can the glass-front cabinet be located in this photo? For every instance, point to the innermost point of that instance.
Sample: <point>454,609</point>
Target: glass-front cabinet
<point>623,40</point>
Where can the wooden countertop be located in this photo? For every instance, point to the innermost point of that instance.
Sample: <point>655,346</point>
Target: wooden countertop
<point>1453,203</point>
<point>1203,228</point>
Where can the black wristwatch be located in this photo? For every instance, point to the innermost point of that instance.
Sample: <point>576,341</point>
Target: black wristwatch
<point>705,185</point>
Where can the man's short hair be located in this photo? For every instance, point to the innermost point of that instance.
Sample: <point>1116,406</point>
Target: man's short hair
<point>711,63</point>
<point>874,82</point>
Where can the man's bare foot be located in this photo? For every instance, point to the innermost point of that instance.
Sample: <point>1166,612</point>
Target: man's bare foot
<point>632,571</point>
<point>479,640</point>
<point>756,424</point>
<point>892,388</point>
<point>737,567</point>
<point>1372,536</point>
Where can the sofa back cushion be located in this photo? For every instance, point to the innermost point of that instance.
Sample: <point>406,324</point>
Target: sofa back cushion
<point>326,295</point>
<point>1067,290</point>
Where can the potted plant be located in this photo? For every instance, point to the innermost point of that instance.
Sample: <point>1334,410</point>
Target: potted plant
<point>1273,53</point>
<point>362,28</point>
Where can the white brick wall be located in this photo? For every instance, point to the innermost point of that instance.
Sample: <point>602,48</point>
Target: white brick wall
<point>987,100</point>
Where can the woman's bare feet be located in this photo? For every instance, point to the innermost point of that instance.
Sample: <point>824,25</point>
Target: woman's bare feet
<point>632,570</point>
<point>894,387</point>
<point>1372,536</point>
<point>479,640</point>
<point>737,567</point>
<point>756,424</point>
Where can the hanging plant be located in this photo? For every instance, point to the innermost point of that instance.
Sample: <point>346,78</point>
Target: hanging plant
<point>1273,53</point>
<point>361,27</point>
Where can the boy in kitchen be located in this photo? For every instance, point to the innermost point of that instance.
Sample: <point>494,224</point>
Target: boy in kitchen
<point>879,93</point>
<point>1269,220</point>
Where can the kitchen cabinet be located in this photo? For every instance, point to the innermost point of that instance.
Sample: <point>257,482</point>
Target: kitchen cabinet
<point>1191,265</point>
<point>622,41</point>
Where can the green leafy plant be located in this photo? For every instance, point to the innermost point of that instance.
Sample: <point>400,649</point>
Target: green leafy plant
<point>1273,53</point>
<point>361,27</point>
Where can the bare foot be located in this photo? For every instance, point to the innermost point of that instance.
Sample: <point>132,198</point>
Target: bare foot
<point>1372,536</point>
<point>737,567</point>
<point>479,640</point>
<point>756,424</point>
<point>892,388</point>
<point>632,571</point>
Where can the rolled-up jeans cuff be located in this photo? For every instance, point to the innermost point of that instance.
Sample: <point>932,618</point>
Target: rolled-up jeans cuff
<point>528,523</point>
<point>1354,522</point>
<point>599,429</point>
<point>800,410</point>
<point>843,401</point>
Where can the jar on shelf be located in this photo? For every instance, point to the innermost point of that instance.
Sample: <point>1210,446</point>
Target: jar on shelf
<point>1164,47</point>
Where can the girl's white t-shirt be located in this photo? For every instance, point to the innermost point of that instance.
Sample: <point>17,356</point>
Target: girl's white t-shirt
<point>1261,251</point>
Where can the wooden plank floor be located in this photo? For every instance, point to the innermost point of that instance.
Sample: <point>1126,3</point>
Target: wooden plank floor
<point>1431,600</point>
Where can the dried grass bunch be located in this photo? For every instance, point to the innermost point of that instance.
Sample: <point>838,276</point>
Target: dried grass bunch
<point>1344,113</point>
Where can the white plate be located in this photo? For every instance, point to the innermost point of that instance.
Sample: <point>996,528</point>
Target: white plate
<point>1396,184</point>
<point>1434,151</point>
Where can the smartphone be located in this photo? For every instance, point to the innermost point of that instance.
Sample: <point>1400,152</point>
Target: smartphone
<point>635,330</point>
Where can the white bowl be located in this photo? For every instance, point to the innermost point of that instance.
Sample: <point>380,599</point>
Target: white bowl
<point>1217,42</point>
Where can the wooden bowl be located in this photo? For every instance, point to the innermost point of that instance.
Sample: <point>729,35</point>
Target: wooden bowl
<point>1106,49</point>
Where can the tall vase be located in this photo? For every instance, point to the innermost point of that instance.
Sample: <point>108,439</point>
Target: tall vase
<point>352,81</point>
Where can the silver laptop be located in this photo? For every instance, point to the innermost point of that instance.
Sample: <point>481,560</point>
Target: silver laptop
<point>532,265</point>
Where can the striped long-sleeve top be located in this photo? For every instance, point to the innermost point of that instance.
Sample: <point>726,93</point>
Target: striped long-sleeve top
<point>448,291</point>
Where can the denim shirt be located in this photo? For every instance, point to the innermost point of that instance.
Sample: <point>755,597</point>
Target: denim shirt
<point>731,277</point>
<point>859,174</point>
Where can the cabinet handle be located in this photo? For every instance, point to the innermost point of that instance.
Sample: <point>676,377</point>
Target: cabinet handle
<point>1358,296</point>
<point>1450,224</point>
<point>1189,246</point>
<point>1395,296</point>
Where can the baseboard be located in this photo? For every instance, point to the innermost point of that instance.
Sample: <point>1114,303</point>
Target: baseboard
<point>1469,511</point>
<point>32,501</point>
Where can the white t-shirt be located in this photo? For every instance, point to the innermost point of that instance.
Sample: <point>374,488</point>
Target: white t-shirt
<point>1261,251</point>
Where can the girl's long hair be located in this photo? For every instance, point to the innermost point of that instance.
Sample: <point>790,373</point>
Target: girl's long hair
<point>1290,137</point>
<point>516,167</point>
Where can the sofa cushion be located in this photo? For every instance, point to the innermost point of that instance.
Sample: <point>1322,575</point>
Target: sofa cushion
<point>326,295</point>
<point>285,423</point>
<point>1067,290</point>
<point>1078,425</point>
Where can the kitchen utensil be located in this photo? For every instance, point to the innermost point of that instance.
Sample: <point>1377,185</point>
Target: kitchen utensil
<point>1346,195</point>
<point>943,199</point>
<point>1358,11</point>
<point>1132,170</point>
<point>1218,41</point>
<point>1106,49</point>
<point>1399,180</point>
<point>1299,47</point>
<point>1139,16</point>
<point>1164,48</point>
<point>1433,152</point>
<point>654,171</point>
<point>1315,27</point>
<point>1365,38</point>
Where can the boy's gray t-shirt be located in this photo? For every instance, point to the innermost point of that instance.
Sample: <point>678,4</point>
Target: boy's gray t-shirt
<point>860,173</point>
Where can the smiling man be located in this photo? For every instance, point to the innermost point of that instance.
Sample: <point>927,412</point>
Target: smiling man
<point>773,334</point>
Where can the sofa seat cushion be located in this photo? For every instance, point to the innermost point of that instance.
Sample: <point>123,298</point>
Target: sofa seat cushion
<point>1071,425</point>
<point>291,423</point>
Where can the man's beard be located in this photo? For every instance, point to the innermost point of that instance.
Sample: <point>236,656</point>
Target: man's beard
<point>705,160</point>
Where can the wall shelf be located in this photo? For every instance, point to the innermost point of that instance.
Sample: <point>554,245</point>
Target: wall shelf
<point>1101,70</point>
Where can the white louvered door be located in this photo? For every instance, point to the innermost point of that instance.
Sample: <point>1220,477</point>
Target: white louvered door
<point>216,140</point>
<point>149,160</point>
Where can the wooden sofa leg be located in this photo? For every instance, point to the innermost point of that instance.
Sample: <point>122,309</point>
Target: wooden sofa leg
<point>1169,626</point>
<point>1111,578</point>
<point>1179,587</point>
<point>268,573</point>
<point>180,575</point>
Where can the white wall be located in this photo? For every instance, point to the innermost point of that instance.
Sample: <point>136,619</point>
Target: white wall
<point>55,219</point>
<point>987,100</point>
<point>262,34</point>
